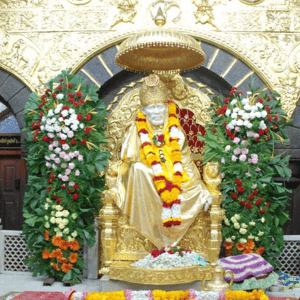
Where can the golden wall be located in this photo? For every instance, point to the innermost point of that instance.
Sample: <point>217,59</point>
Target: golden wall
<point>38,38</point>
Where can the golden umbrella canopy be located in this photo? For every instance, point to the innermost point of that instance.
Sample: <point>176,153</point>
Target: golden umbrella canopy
<point>161,50</point>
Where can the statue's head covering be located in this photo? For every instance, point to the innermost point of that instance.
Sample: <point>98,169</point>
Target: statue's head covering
<point>153,91</point>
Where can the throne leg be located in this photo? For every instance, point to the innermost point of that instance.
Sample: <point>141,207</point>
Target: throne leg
<point>108,217</point>
<point>216,217</point>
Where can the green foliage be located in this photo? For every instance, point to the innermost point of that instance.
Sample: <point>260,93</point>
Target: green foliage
<point>242,138</point>
<point>69,118</point>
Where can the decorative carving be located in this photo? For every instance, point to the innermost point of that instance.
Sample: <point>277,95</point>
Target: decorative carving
<point>278,21</point>
<point>252,2</point>
<point>166,6</point>
<point>127,11</point>
<point>204,13</point>
<point>79,2</point>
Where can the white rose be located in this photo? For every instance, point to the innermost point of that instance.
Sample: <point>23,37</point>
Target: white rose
<point>65,213</point>
<point>46,206</point>
<point>252,223</point>
<point>240,122</point>
<point>66,231</point>
<point>58,207</point>
<point>74,234</point>
<point>53,213</point>
<point>70,239</point>
<point>261,233</point>
<point>59,234</point>
<point>228,112</point>
<point>56,229</point>
<point>246,116</point>
<point>61,226</point>
<point>245,101</point>
<point>234,115</point>
<point>258,114</point>
<point>243,241</point>
<point>233,219</point>
<point>236,225</point>
<point>233,237</point>
<point>50,113</point>
<point>251,237</point>
<point>256,238</point>
<point>263,220</point>
<point>244,225</point>
<point>60,119</point>
<point>49,200</point>
<point>243,230</point>
<point>226,221</point>
<point>264,113</point>
<point>74,216</point>
<point>47,225</point>
<point>46,218</point>
<point>241,112</point>
<point>259,105</point>
<point>252,115</point>
<point>247,107</point>
<point>64,113</point>
<point>237,216</point>
<point>228,240</point>
<point>52,220</point>
<point>227,148</point>
<point>233,102</point>
<point>63,136</point>
<point>59,96</point>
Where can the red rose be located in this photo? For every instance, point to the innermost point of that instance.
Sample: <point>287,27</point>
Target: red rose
<point>79,117</point>
<point>58,200</point>
<point>232,137</point>
<point>62,187</point>
<point>274,127</point>
<point>40,106</point>
<point>269,117</point>
<point>234,88</point>
<point>234,195</point>
<point>248,205</point>
<point>160,137</point>
<point>219,111</point>
<point>231,92</point>
<point>61,80</point>
<point>41,114</point>
<point>52,176</point>
<point>76,104</point>
<point>257,140</point>
<point>88,117</point>
<point>83,142</point>
<point>70,191</point>
<point>59,88</point>
<point>35,138</point>
<point>75,196</point>
<point>268,137</point>
<point>38,124</point>
<point>276,118</point>
<point>224,124</point>
<point>37,132</point>
<point>255,192</point>
<point>81,101</point>
<point>76,186</point>
<point>49,188</point>
<point>53,197</point>
<point>53,95</point>
<point>170,252</point>
<point>262,211</point>
<point>66,107</point>
<point>267,108</point>
<point>62,142</point>
<point>73,142</point>
<point>260,100</point>
<point>238,181</point>
<point>87,130</point>
<point>226,100</point>
<point>68,85</point>
<point>47,91</point>
<point>33,125</point>
<point>213,129</point>
<point>155,253</point>
<point>240,93</point>
<point>261,132</point>
<point>241,189</point>
<point>268,203</point>
<point>267,130</point>
<point>45,139</point>
<point>43,97</point>
<point>70,95</point>
<point>228,132</point>
<point>242,202</point>
<point>49,181</point>
<point>257,202</point>
<point>78,94</point>
<point>250,197</point>
<point>225,106</point>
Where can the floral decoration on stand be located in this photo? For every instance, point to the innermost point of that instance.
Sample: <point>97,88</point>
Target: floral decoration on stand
<point>242,139</point>
<point>170,257</point>
<point>65,165</point>
<point>152,153</point>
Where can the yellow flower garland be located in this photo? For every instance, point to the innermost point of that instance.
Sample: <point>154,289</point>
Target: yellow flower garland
<point>168,189</point>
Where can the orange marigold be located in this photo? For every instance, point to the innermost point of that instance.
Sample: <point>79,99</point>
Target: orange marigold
<point>247,250</point>
<point>66,267</point>
<point>46,254</point>
<point>73,258</point>
<point>74,245</point>
<point>47,235</point>
<point>57,253</point>
<point>64,244</point>
<point>56,241</point>
<point>63,260</point>
<point>260,250</point>
<point>250,244</point>
<point>240,246</point>
<point>55,266</point>
<point>228,245</point>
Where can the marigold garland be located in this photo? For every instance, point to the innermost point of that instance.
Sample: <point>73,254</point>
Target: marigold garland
<point>167,185</point>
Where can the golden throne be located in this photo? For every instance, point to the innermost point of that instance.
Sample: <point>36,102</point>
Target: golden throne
<point>121,243</point>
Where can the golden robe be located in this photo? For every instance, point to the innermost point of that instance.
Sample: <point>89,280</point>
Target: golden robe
<point>138,198</point>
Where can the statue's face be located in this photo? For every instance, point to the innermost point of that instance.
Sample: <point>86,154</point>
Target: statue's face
<point>155,113</point>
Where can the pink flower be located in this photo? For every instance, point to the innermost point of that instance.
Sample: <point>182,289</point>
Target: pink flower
<point>58,134</point>
<point>254,158</point>
<point>80,157</point>
<point>57,150</point>
<point>71,183</point>
<point>65,178</point>
<point>63,166</point>
<point>237,129</point>
<point>256,135</point>
<point>50,135</point>
<point>53,166</point>
<point>72,155</point>
<point>47,157</point>
<point>67,157</point>
<point>243,157</point>
<point>59,176</point>
<point>237,151</point>
<point>57,160</point>
<point>65,146</point>
<point>52,156</point>
<point>233,158</point>
<point>51,147</point>
<point>76,153</point>
<point>55,143</point>
<point>71,166</point>
<point>70,134</point>
<point>245,151</point>
<point>48,165</point>
<point>236,140</point>
<point>77,173</point>
<point>62,154</point>
<point>68,171</point>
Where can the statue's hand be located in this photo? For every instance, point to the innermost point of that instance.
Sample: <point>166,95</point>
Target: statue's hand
<point>207,204</point>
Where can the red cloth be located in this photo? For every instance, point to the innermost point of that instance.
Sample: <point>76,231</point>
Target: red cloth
<point>41,296</point>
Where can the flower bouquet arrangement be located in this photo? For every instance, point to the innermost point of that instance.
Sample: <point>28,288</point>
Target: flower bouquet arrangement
<point>65,164</point>
<point>242,138</point>
<point>170,257</point>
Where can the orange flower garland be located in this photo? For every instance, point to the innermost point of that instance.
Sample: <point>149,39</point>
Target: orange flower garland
<point>169,190</point>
